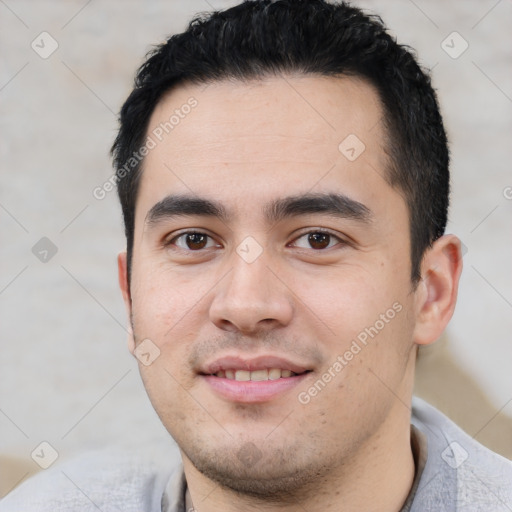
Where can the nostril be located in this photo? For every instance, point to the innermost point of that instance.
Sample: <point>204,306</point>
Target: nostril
<point>226,325</point>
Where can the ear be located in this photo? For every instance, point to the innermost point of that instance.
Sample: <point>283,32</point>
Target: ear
<point>436,293</point>
<point>124,284</point>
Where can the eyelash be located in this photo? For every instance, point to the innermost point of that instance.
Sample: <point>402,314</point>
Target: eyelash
<point>324,232</point>
<point>169,243</point>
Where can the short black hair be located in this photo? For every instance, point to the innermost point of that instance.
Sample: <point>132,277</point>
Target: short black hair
<point>260,38</point>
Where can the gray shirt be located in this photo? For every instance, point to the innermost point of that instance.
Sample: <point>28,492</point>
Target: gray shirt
<point>453,473</point>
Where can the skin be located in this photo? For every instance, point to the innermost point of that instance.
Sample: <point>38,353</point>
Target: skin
<point>245,145</point>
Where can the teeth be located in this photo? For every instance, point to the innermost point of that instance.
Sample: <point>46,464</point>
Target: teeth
<point>256,375</point>
<point>259,375</point>
<point>274,374</point>
<point>242,375</point>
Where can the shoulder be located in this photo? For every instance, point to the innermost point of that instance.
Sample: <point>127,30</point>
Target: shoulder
<point>99,480</point>
<point>459,471</point>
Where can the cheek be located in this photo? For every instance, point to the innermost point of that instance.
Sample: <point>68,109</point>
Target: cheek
<point>362,318</point>
<point>344,301</point>
<point>165,388</point>
<point>171,312</point>
<point>363,374</point>
<point>160,301</point>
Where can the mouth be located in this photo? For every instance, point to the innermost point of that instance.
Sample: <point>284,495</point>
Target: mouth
<point>256,375</point>
<point>256,380</point>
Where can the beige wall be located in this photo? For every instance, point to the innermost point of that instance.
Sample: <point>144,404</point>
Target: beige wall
<point>66,376</point>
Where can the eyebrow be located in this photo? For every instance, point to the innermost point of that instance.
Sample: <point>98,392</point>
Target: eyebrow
<point>173,206</point>
<point>336,205</point>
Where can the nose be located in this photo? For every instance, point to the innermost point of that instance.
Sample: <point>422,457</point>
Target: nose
<point>251,299</point>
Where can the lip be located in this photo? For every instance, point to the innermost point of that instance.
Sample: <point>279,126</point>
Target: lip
<point>252,391</point>
<point>236,362</point>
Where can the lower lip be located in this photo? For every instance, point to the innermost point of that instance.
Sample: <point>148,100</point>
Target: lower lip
<point>252,391</point>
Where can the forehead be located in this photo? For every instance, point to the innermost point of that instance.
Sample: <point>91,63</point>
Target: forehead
<point>259,137</point>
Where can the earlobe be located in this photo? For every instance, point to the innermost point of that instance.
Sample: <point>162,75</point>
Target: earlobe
<point>436,294</point>
<point>124,285</point>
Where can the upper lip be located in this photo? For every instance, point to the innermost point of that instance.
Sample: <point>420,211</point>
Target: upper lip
<point>238,362</point>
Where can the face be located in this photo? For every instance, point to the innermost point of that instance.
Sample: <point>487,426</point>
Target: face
<point>271,270</point>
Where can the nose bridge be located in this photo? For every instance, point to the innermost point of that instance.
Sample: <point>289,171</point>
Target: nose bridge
<point>251,295</point>
<point>250,278</point>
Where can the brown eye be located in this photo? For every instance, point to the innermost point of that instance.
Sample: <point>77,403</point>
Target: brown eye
<point>319,240</point>
<point>196,241</point>
<point>192,241</point>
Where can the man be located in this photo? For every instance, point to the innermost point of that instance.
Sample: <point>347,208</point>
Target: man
<point>283,174</point>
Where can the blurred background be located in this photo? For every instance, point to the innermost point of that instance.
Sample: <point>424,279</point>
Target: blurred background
<point>66,377</point>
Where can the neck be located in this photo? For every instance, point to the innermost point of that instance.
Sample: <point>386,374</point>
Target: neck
<point>375,479</point>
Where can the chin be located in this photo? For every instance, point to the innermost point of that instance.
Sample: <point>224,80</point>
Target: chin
<point>253,472</point>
